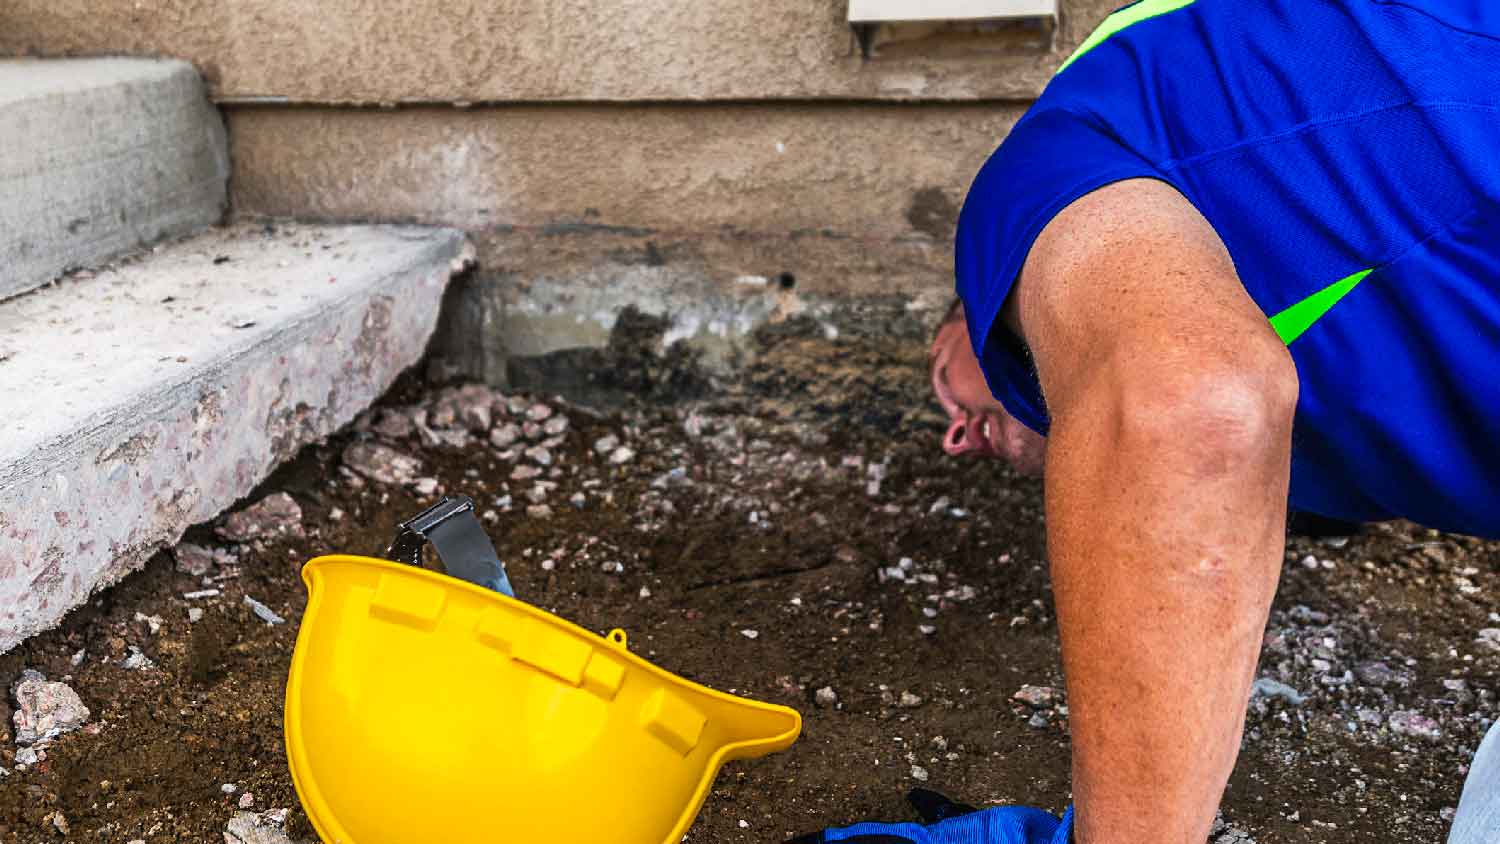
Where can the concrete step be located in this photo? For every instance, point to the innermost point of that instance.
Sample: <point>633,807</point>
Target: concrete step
<point>153,395</point>
<point>101,156</point>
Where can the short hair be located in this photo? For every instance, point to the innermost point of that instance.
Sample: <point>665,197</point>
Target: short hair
<point>954,314</point>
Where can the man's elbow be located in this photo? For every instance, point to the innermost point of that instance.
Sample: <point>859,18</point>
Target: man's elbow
<point>1227,413</point>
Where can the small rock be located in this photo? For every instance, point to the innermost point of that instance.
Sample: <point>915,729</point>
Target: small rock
<point>78,657</point>
<point>1036,697</point>
<point>909,701</point>
<point>939,743</point>
<point>393,424</point>
<point>195,614</point>
<point>1271,688</point>
<point>425,486</point>
<point>556,426</point>
<point>524,473</point>
<point>926,629</point>
<point>606,444</point>
<point>539,412</point>
<point>60,823</point>
<point>277,514</point>
<point>673,478</point>
<point>1489,639</point>
<point>532,431</point>
<point>578,500</point>
<point>1381,674</point>
<point>645,592</point>
<point>919,773</point>
<point>194,560</point>
<point>26,756</point>
<point>539,511</point>
<point>256,828</point>
<point>826,697</point>
<point>137,661</point>
<point>539,455</point>
<point>1037,720</point>
<point>246,800</point>
<point>264,612</point>
<point>382,464</point>
<point>474,409</point>
<point>506,435</point>
<point>622,455</point>
<point>1306,615</point>
<point>229,788</point>
<point>1407,723</point>
<point>201,593</point>
<point>45,710</point>
<point>152,622</point>
<point>750,634</point>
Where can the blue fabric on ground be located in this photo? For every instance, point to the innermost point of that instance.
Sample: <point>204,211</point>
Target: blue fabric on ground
<point>1007,825</point>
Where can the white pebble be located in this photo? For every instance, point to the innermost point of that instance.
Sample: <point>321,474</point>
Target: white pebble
<point>750,634</point>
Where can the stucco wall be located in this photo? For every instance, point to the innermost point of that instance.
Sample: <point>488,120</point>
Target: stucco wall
<point>857,170</point>
<point>391,51</point>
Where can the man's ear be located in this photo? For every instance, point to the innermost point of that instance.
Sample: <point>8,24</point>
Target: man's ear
<point>941,354</point>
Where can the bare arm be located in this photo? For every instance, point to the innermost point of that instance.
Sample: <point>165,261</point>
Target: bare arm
<point>1166,483</point>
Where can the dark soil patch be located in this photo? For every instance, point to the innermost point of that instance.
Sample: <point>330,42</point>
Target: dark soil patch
<point>773,525</point>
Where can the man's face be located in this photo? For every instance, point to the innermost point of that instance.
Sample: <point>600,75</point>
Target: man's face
<point>979,425</point>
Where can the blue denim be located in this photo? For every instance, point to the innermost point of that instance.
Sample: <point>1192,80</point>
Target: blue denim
<point>1478,818</point>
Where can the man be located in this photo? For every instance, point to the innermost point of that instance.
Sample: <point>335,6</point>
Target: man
<point>1238,254</point>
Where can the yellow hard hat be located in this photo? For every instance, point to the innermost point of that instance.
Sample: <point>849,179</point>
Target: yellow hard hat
<point>422,708</point>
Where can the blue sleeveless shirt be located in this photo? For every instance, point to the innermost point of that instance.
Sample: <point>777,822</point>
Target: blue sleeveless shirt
<point>1347,152</point>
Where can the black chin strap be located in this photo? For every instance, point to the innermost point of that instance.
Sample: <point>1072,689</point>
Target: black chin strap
<point>461,543</point>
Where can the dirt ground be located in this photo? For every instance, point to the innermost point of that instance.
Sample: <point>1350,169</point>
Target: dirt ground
<point>788,530</point>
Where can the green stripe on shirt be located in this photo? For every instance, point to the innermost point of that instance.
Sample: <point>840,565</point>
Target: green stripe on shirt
<point>1124,19</point>
<point>1295,320</point>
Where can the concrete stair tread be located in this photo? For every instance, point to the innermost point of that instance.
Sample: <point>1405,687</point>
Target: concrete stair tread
<point>101,156</point>
<point>153,394</point>
<point>25,79</point>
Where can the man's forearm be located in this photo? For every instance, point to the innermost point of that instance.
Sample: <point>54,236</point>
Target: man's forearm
<point>1164,560</point>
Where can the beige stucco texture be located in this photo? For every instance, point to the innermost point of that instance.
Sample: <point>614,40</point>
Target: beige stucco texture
<point>856,170</point>
<point>395,51</point>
